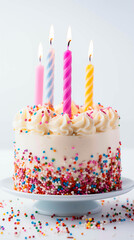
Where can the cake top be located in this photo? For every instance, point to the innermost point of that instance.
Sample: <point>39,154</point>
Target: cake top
<point>46,120</point>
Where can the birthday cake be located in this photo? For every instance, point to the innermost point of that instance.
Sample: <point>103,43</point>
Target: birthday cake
<point>61,155</point>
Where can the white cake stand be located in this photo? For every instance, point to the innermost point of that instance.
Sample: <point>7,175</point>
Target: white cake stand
<point>64,205</point>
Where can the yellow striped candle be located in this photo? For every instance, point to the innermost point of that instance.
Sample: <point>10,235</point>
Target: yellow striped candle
<point>89,80</point>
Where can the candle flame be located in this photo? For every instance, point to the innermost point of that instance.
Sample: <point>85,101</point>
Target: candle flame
<point>90,52</point>
<point>40,52</point>
<point>51,34</point>
<point>69,35</point>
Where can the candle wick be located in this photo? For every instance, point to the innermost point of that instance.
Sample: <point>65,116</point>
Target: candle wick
<point>90,58</point>
<point>68,43</point>
<point>39,58</point>
<point>51,41</point>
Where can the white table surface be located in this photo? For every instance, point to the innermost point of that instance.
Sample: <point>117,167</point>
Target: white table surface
<point>124,230</point>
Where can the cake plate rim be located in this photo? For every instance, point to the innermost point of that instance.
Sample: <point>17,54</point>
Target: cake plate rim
<point>67,205</point>
<point>127,185</point>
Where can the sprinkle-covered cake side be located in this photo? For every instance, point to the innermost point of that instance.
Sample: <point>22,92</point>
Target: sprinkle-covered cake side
<point>55,154</point>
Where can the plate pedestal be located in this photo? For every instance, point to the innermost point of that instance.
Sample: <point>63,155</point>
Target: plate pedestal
<point>67,208</point>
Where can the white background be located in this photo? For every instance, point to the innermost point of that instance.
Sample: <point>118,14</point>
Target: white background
<point>110,24</point>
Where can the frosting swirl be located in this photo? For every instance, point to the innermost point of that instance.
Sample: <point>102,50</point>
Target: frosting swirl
<point>45,119</point>
<point>33,119</point>
<point>20,120</point>
<point>83,124</point>
<point>101,120</point>
<point>113,117</point>
<point>38,121</point>
<point>61,125</point>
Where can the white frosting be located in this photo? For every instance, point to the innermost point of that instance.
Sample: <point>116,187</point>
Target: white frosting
<point>59,108</point>
<point>20,120</point>
<point>113,117</point>
<point>83,124</point>
<point>101,120</point>
<point>42,119</point>
<point>74,108</point>
<point>97,106</point>
<point>39,121</point>
<point>61,125</point>
<point>67,146</point>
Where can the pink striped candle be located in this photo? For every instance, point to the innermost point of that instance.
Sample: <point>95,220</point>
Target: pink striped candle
<point>67,71</point>
<point>39,81</point>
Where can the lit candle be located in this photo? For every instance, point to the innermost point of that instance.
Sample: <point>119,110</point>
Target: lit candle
<point>67,71</point>
<point>39,78</point>
<point>89,80</point>
<point>50,70</point>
